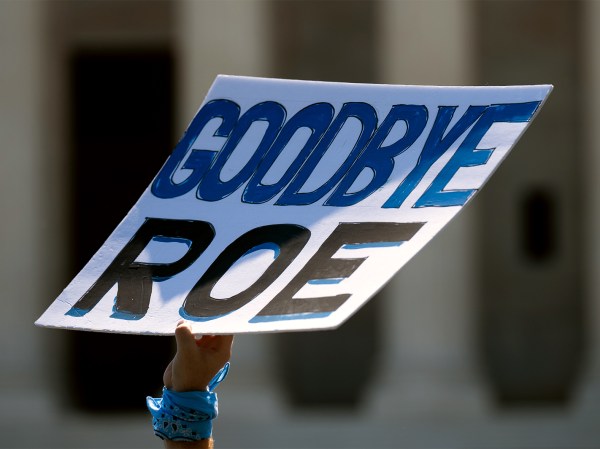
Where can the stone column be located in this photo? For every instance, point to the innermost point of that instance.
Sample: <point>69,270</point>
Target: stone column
<point>24,378</point>
<point>429,363</point>
<point>589,393</point>
<point>218,37</point>
<point>21,196</point>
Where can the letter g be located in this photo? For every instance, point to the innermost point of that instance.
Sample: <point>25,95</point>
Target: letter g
<point>199,160</point>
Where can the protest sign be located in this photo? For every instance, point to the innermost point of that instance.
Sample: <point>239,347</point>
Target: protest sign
<point>288,204</point>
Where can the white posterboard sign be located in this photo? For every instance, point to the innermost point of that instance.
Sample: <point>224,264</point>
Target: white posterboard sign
<point>288,204</point>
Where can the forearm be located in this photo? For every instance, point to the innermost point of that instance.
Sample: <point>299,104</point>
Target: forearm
<point>206,443</point>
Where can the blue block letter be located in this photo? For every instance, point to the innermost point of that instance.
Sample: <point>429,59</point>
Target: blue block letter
<point>199,160</point>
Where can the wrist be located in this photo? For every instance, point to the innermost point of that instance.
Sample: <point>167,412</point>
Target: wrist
<point>186,416</point>
<point>183,387</point>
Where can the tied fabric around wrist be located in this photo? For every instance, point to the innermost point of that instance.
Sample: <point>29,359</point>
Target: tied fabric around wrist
<point>186,416</point>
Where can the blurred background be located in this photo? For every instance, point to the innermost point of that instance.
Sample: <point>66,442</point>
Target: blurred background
<point>489,338</point>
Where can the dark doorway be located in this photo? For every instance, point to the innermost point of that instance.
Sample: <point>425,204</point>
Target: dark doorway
<point>121,133</point>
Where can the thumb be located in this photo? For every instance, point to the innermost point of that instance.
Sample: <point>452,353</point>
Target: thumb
<point>184,337</point>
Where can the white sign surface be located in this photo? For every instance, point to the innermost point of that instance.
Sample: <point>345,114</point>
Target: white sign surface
<point>288,204</point>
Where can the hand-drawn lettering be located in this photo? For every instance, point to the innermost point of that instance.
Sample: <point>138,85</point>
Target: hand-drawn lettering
<point>198,161</point>
<point>368,119</point>
<point>315,117</point>
<point>367,152</point>
<point>381,159</point>
<point>323,266</point>
<point>134,279</point>
<point>468,155</point>
<point>438,141</point>
<point>290,239</point>
<point>212,187</point>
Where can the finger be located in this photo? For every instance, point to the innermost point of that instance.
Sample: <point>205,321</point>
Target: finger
<point>222,344</point>
<point>224,341</point>
<point>184,336</point>
<point>215,342</point>
<point>168,376</point>
<point>205,341</point>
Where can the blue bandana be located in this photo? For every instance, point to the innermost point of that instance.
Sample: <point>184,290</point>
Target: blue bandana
<point>186,416</point>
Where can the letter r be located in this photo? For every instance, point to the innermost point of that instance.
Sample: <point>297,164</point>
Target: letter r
<point>134,279</point>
